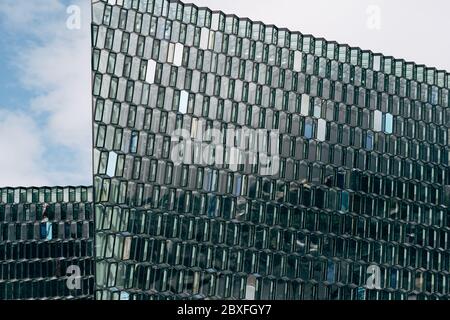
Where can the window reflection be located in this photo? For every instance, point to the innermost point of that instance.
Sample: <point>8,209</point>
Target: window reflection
<point>184,97</point>
<point>388,123</point>
<point>308,129</point>
<point>317,218</point>
<point>321,130</point>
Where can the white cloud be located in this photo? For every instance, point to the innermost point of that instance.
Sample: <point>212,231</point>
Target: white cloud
<point>55,67</point>
<point>22,150</point>
<point>29,16</point>
<point>60,71</point>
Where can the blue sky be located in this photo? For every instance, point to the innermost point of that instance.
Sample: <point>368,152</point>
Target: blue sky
<point>45,106</point>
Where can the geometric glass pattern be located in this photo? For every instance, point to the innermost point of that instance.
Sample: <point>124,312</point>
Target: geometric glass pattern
<point>356,208</point>
<point>46,243</point>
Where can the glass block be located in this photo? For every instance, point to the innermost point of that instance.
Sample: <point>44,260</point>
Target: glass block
<point>353,178</point>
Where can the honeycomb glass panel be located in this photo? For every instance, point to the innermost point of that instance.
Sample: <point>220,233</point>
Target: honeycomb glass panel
<point>243,161</point>
<point>44,241</point>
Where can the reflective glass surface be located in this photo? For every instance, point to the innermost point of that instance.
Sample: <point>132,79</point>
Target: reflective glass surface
<point>357,207</point>
<point>46,243</point>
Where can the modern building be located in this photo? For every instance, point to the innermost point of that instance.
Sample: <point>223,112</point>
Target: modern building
<point>238,160</point>
<point>46,243</point>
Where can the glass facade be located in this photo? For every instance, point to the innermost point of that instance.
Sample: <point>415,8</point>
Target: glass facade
<point>354,206</point>
<point>46,243</point>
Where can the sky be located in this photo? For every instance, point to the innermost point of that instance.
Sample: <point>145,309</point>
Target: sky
<point>45,103</point>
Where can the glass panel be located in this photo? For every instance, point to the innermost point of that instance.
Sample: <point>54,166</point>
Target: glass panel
<point>388,123</point>
<point>151,68</point>
<point>377,120</point>
<point>184,98</point>
<point>112,160</point>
